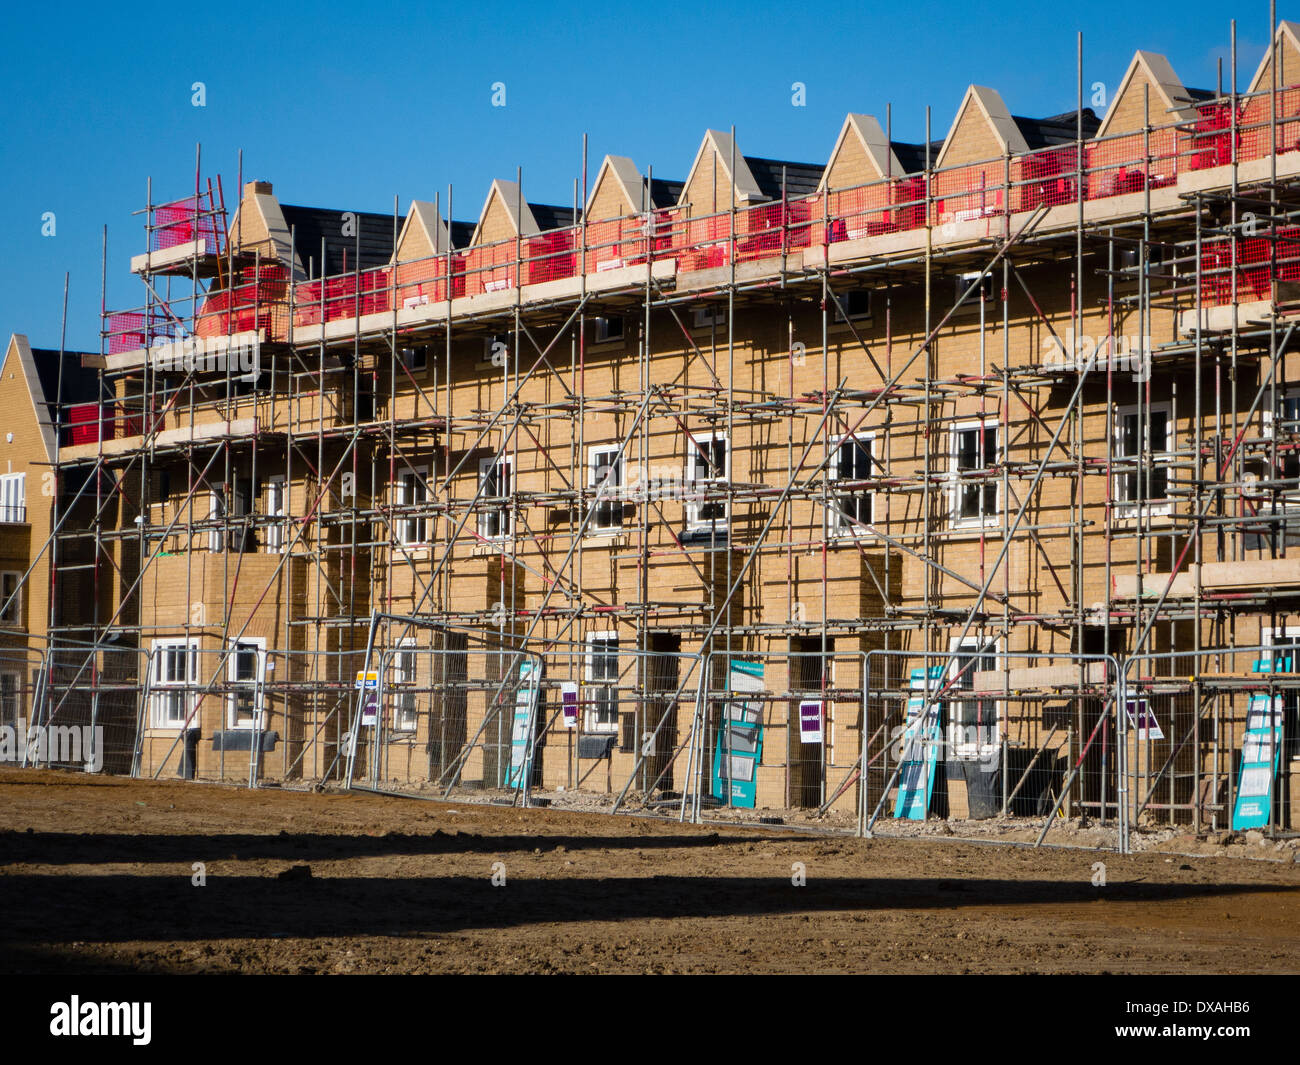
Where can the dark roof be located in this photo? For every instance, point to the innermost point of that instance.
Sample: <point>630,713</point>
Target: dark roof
<point>912,156</point>
<point>80,384</point>
<point>462,233</point>
<point>1058,129</point>
<point>1201,95</point>
<point>801,179</point>
<point>549,216</point>
<point>370,246</point>
<point>665,192</point>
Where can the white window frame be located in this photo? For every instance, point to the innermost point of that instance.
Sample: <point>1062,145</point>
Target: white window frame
<point>412,481</point>
<point>604,335</point>
<point>217,510</point>
<point>13,498</point>
<point>11,696</point>
<point>601,689</point>
<point>416,364</point>
<point>258,683</point>
<point>1127,508</point>
<point>275,493</point>
<point>502,513</point>
<point>842,299</point>
<point>614,500</point>
<point>837,524</point>
<point>694,521</point>
<point>11,584</point>
<point>958,747</point>
<point>404,671</point>
<point>162,688</point>
<point>983,520</point>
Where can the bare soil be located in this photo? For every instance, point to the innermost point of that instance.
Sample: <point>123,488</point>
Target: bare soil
<point>96,875</point>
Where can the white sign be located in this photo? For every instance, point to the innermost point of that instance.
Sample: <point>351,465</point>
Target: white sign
<point>1143,719</point>
<point>811,716</point>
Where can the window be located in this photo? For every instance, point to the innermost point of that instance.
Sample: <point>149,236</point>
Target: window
<point>851,506</point>
<point>974,451</point>
<point>412,493</point>
<point>972,722</point>
<point>605,471</point>
<point>494,487</point>
<point>602,678</point>
<point>708,469</point>
<point>246,673</point>
<point>852,305</point>
<point>276,531</point>
<point>217,513</point>
<point>608,329</point>
<point>402,684</point>
<point>416,359</point>
<point>982,293</point>
<point>703,317</point>
<point>11,598</point>
<point>1287,425</point>
<point>175,672</point>
<point>10,689</point>
<point>13,497</point>
<point>1142,437</point>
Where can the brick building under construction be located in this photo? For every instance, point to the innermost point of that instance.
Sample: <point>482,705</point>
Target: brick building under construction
<point>995,435</point>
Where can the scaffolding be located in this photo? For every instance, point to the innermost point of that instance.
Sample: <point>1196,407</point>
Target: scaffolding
<point>1039,403</point>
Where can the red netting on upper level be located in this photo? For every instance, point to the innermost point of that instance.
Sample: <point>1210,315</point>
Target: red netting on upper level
<point>1254,262</point>
<point>132,330</point>
<point>181,221</point>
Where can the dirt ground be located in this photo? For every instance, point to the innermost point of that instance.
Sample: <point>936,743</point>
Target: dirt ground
<point>97,875</point>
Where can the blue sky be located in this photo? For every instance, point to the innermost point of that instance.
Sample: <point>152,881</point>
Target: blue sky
<point>345,105</point>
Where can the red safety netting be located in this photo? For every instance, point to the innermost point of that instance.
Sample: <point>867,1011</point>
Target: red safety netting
<point>258,301</point>
<point>182,221</point>
<point>421,282</point>
<point>550,256</point>
<point>1118,165</point>
<point>772,229</point>
<point>965,193</point>
<point>1048,177</point>
<point>490,268</point>
<point>132,330</point>
<point>613,243</point>
<point>1259,262</point>
<point>1209,142</point>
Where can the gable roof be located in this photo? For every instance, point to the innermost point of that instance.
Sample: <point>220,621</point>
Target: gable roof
<point>1173,101</point>
<point>40,370</point>
<point>622,170</point>
<point>722,146</point>
<point>988,104</point>
<point>756,179</point>
<point>866,131</point>
<point>528,219</point>
<point>1287,35</point>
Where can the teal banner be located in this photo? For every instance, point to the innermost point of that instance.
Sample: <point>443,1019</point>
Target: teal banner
<point>920,749</point>
<point>1259,762</point>
<point>740,737</point>
<point>521,735</point>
